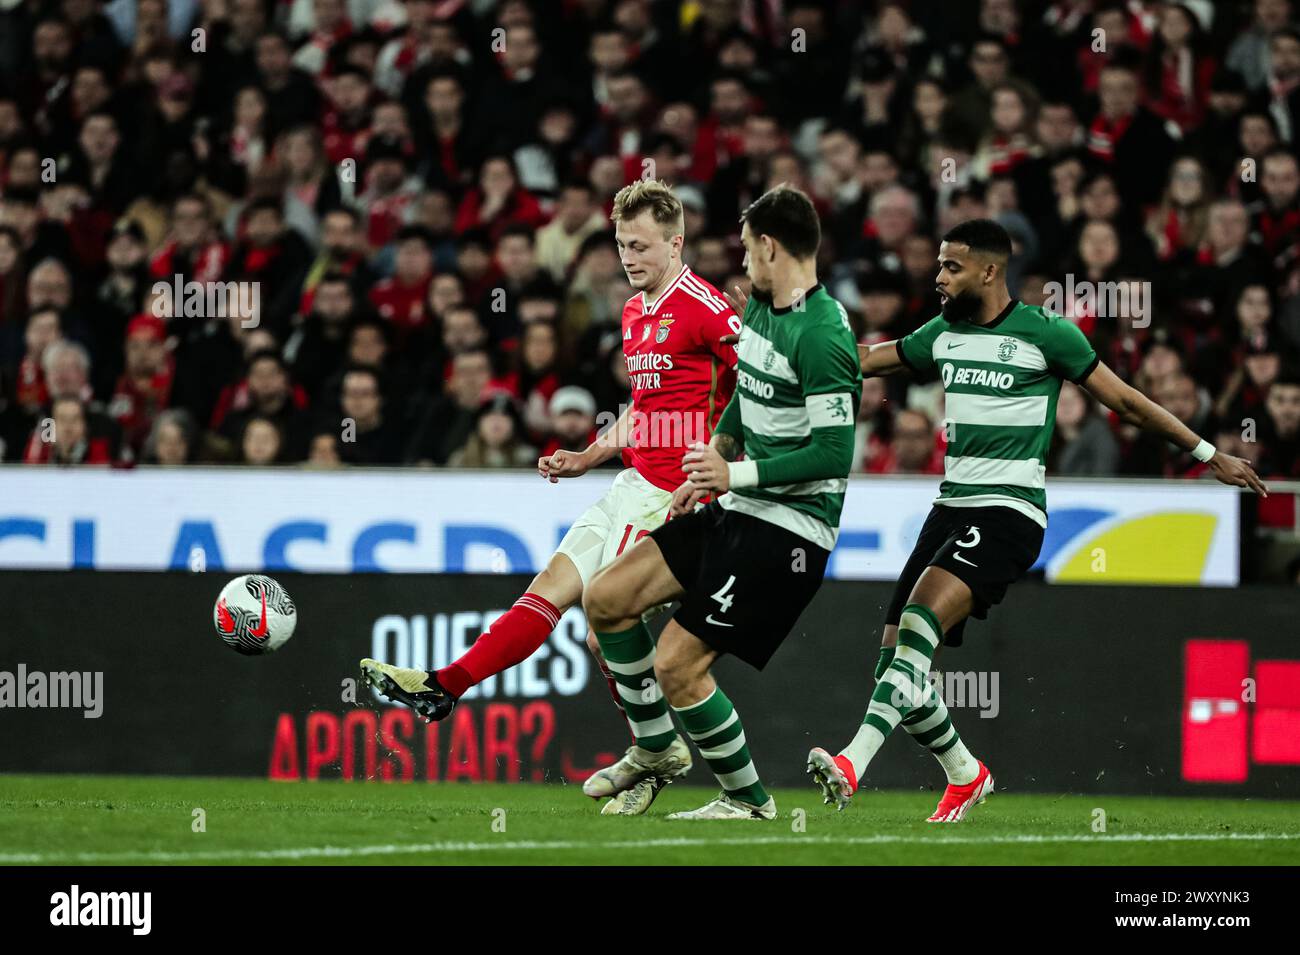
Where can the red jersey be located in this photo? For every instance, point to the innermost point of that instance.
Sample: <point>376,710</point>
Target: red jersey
<point>682,376</point>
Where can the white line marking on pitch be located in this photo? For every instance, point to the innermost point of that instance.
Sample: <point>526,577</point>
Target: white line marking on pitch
<point>343,852</point>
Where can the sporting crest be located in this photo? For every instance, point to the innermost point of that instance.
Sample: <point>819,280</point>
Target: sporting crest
<point>1006,349</point>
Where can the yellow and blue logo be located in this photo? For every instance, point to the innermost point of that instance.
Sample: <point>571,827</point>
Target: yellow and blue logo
<point>1094,546</point>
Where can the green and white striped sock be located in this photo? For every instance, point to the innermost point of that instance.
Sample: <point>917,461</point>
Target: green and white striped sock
<point>902,685</point>
<point>715,727</point>
<point>630,656</point>
<point>930,725</point>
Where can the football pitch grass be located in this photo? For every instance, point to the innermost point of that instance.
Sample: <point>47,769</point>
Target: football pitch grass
<point>115,820</point>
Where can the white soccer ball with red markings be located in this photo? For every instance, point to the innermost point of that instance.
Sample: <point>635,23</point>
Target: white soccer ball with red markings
<point>254,615</point>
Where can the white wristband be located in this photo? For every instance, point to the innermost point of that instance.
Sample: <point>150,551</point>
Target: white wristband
<point>743,474</point>
<point>1203,451</point>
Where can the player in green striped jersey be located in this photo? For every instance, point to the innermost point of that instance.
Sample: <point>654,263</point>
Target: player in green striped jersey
<point>746,565</point>
<point>1001,363</point>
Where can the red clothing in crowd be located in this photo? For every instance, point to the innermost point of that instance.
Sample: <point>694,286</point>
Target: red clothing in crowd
<point>403,305</point>
<point>92,450</point>
<point>234,399</point>
<point>886,462</point>
<point>209,264</point>
<point>521,208</point>
<point>136,404</point>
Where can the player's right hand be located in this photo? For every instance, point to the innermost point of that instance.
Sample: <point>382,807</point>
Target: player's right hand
<point>685,498</point>
<point>1237,472</point>
<point>562,464</point>
<point>737,299</point>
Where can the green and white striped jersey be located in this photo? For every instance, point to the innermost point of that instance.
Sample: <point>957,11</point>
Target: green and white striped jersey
<point>1000,382</point>
<point>798,384</point>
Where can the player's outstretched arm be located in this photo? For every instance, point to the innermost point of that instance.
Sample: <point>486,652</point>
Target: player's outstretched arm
<point>565,464</point>
<point>880,359</point>
<point>1136,408</point>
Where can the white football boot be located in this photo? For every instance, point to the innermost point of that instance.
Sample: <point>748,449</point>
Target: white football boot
<point>725,807</point>
<point>638,764</point>
<point>637,799</point>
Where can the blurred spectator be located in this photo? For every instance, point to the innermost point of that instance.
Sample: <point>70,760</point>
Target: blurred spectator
<point>1178,71</point>
<point>311,187</point>
<point>172,441</point>
<point>400,299</point>
<point>118,297</point>
<point>30,390</point>
<point>266,393</point>
<point>520,275</point>
<point>912,450</point>
<point>369,435</point>
<point>260,441</point>
<point>390,189</point>
<point>577,216</point>
<point>1281,94</point>
<point>342,252</point>
<point>1249,54</point>
<point>572,421</point>
<point>316,348</point>
<point>1177,393</point>
<point>13,281</point>
<point>1127,137</point>
<point>273,259</point>
<point>1179,221</point>
<point>193,250</point>
<point>292,97</point>
<point>1281,453</point>
<point>496,440</point>
<point>447,422</point>
<point>66,438</point>
<point>324,451</point>
<point>536,376</point>
<point>497,201</point>
<point>1083,445</point>
<point>874,427</point>
<point>144,390</point>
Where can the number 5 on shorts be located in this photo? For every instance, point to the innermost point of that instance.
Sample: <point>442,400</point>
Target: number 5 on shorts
<point>724,601</point>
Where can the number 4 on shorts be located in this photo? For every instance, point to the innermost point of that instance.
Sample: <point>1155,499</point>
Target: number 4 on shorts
<point>724,601</point>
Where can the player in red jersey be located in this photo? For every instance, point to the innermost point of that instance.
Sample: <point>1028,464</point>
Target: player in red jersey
<point>682,376</point>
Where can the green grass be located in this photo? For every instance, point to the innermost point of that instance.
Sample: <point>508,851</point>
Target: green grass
<point>140,820</point>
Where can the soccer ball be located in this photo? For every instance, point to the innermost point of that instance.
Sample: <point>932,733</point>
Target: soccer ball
<point>254,615</point>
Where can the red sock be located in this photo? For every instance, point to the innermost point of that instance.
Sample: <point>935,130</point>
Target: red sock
<point>512,638</point>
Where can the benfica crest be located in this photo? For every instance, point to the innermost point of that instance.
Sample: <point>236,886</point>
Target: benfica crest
<point>665,326</point>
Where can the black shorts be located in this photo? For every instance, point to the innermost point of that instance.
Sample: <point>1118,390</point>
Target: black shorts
<point>987,548</point>
<point>746,580</point>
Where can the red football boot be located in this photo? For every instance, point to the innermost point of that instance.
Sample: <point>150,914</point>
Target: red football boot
<point>957,800</point>
<point>835,776</point>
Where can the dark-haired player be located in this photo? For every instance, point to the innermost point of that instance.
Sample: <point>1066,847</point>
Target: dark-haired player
<point>744,566</point>
<point>1002,364</point>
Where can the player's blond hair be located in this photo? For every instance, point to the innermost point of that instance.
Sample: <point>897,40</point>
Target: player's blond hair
<point>655,197</point>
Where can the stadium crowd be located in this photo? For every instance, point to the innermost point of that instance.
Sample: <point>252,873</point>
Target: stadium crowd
<point>418,192</point>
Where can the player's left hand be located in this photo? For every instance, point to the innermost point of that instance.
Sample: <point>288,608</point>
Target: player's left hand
<point>685,498</point>
<point>737,299</point>
<point>1237,472</point>
<point>706,469</point>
